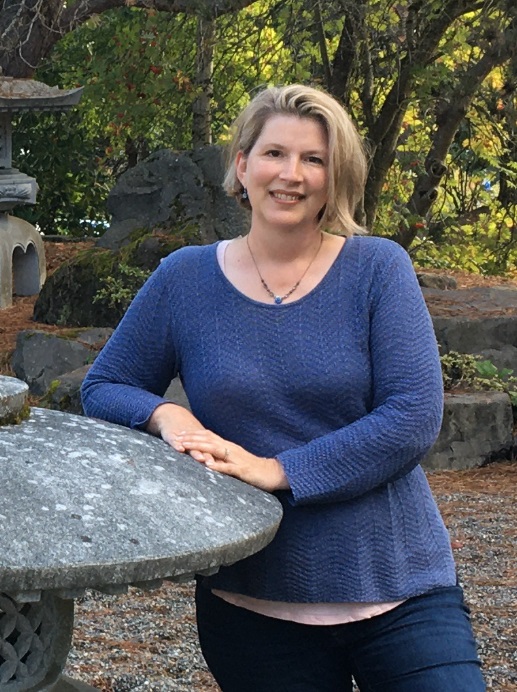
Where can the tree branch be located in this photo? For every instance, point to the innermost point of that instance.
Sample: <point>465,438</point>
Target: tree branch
<point>448,119</point>
<point>208,9</point>
<point>420,57</point>
<point>30,28</point>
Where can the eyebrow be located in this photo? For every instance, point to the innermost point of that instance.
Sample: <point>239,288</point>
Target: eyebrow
<point>320,152</point>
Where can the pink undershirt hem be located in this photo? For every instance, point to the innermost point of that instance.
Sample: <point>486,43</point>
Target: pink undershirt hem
<point>309,613</point>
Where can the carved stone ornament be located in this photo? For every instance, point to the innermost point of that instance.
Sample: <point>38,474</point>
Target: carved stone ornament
<point>15,189</point>
<point>18,192</point>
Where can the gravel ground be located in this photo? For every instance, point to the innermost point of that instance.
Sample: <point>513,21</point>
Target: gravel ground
<point>147,642</point>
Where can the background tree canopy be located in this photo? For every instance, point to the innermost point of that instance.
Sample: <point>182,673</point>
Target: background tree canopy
<point>430,83</point>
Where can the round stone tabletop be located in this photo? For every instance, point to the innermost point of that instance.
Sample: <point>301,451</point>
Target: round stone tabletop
<point>84,503</point>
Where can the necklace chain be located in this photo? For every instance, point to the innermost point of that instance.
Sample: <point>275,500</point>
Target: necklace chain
<point>280,299</point>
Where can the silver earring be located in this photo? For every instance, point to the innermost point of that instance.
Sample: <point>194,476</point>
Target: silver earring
<point>244,195</point>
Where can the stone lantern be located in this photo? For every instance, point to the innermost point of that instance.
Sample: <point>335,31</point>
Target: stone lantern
<point>22,256</point>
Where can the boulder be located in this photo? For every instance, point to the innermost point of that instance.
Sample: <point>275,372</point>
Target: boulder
<point>170,190</point>
<point>169,200</point>
<point>41,358</point>
<point>476,429</point>
<point>64,393</point>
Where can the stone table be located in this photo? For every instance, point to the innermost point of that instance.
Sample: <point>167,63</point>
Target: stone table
<point>87,504</point>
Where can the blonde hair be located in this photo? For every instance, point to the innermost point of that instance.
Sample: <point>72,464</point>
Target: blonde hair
<point>347,159</point>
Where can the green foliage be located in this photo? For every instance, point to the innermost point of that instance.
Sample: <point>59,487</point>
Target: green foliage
<point>73,187</point>
<point>459,370</point>
<point>119,289</point>
<point>467,371</point>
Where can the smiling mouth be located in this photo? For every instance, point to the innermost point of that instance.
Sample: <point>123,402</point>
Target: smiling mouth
<point>286,197</point>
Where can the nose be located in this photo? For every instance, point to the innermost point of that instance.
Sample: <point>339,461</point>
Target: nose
<point>291,170</point>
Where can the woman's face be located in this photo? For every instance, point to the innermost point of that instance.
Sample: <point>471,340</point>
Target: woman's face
<point>286,172</point>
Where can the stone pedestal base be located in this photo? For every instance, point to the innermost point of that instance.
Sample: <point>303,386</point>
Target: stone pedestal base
<point>65,684</point>
<point>35,638</point>
<point>22,259</point>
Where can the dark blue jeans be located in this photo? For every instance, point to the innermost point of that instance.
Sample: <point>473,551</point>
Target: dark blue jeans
<point>424,645</point>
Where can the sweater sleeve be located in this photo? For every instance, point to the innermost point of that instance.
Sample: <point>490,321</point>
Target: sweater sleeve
<point>407,401</point>
<point>129,377</point>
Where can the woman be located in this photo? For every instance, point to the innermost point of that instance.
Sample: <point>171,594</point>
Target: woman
<point>311,367</point>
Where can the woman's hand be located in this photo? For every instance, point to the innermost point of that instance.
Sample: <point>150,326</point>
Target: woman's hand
<point>232,460</point>
<point>169,419</point>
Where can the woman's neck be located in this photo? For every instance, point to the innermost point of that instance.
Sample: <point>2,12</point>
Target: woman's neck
<point>284,246</point>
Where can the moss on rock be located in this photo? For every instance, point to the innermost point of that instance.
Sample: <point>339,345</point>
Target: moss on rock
<point>16,417</point>
<point>82,292</point>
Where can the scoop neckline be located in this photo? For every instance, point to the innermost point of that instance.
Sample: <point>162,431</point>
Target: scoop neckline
<point>281,306</point>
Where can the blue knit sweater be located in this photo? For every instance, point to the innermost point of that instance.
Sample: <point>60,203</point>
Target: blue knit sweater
<point>343,386</point>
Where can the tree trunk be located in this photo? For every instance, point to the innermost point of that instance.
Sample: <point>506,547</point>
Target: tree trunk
<point>345,56</point>
<point>202,120</point>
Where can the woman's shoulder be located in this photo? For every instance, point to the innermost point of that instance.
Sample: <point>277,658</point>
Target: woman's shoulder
<point>374,255</point>
<point>372,246</point>
<point>187,259</point>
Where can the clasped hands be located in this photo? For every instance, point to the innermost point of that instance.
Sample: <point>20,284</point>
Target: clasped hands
<point>182,431</point>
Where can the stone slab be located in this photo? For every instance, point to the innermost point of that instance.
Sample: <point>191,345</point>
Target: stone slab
<point>475,335</point>
<point>492,338</point>
<point>482,301</point>
<point>476,429</point>
<point>84,503</point>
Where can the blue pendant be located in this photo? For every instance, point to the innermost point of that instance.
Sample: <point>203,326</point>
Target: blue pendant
<point>278,300</point>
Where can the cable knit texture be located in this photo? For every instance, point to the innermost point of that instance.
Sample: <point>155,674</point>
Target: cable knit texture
<point>343,386</point>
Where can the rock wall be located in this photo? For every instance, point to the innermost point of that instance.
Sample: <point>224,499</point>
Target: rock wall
<point>477,427</point>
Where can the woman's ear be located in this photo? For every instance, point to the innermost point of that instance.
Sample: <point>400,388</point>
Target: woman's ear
<point>240,167</point>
